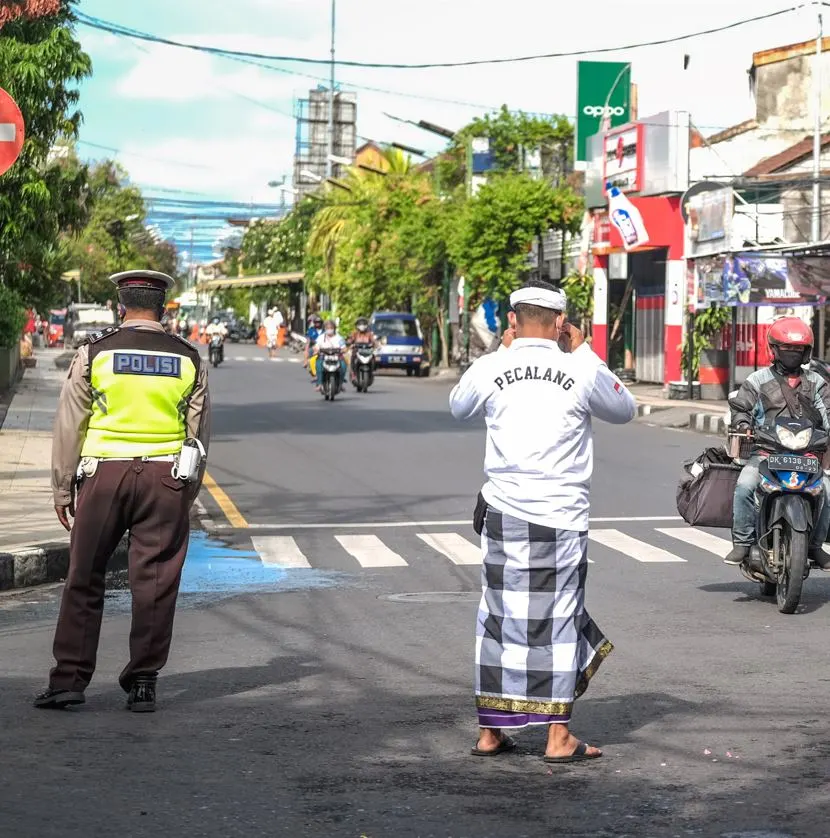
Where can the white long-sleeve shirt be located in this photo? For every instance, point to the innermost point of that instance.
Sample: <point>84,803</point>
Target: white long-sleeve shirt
<point>538,402</point>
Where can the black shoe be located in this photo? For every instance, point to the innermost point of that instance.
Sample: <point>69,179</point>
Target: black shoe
<point>819,557</point>
<point>142,697</point>
<point>58,699</point>
<point>737,555</point>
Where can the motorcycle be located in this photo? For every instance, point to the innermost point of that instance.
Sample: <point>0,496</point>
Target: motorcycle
<point>364,367</point>
<point>332,372</point>
<point>216,350</point>
<point>788,500</point>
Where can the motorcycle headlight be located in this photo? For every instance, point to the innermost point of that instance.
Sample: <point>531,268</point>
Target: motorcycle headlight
<point>795,442</point>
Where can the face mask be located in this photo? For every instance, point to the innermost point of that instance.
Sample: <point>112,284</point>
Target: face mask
<point>330,332</point>
<point>790,359</point>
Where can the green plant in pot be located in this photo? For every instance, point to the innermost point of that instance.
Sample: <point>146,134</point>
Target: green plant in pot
<point>708,326</point>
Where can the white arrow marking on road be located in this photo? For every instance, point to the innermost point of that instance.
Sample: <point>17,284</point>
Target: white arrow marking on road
<point>280,551</point>
<point>370,551</point>
<point>8,132</point>
<point>639,550</point>
<point>697,538</point>
<point>454,546</point>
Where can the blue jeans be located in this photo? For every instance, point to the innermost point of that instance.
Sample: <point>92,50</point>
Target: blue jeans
<point>744,511</point>
<point>343,371</point>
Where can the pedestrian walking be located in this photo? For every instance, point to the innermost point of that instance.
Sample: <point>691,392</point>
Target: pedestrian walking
<point>130,438</point>
<point>536,646</point>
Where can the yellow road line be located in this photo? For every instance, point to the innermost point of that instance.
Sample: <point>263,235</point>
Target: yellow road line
<point>229,510</point>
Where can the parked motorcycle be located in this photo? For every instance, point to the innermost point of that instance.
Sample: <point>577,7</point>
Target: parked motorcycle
<point>332,372</point>
<point>364,366</point>
<point>788,500</point>
<point>216,350</point>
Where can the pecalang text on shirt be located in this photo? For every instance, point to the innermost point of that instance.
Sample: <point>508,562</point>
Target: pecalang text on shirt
<point>529,373</point>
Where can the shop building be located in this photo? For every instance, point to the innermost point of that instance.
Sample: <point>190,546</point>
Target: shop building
<point>639,293</point>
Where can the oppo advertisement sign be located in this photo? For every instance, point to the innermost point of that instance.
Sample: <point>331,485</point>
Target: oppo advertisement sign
<point>595,81</point>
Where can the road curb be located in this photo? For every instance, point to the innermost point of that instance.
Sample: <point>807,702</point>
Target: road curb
<point>707,423</point>
<point>45,564</point>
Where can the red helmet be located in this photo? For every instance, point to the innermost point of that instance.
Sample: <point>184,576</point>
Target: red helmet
<point>790,331</point>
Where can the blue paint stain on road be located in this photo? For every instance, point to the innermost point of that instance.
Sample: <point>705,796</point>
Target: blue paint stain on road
<point>216,570</point>
<point>215,567</point>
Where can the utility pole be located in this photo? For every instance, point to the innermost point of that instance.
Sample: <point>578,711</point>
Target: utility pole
<point>329,162</point>
<point>815,227</point>
<point>191,269</point>
<point>815,232</point>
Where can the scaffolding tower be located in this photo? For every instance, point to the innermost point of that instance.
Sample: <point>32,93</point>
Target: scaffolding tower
<point>312,148</point>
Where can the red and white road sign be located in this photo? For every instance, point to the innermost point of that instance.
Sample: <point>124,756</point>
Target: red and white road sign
<point>12,131</point>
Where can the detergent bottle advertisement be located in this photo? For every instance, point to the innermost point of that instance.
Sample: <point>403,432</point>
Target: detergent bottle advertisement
<point>626,218</point>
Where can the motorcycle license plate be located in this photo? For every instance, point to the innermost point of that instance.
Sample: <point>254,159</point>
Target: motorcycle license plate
<point>790,462</point>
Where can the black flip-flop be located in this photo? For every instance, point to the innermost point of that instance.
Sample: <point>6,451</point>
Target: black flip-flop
<point>580,754</point>
<point>506,744</point>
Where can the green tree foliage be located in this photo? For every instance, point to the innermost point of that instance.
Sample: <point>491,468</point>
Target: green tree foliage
<point>495,229</point>
<point>41,64</point>
<point>279,246</point>
<point>115,237</point>
<point>579,289</point>
<point>512,137</point>
<point>377,241</point>
<point>12,317</point>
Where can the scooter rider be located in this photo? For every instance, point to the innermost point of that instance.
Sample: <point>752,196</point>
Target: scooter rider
<point>762,399</point>
<point>216,327</point>
<point>315,328</point>
<point>330,340</point>
<point>362,334</point>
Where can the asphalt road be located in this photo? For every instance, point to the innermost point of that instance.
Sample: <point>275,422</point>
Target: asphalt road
<point>333,698</point>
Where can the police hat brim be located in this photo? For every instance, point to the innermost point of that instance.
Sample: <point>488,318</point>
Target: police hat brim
<point>143,279</point>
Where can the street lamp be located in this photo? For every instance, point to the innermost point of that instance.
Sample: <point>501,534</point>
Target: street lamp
<point>308,174</point>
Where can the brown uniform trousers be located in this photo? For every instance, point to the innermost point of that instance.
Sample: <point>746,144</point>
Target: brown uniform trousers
<point>145,499</point>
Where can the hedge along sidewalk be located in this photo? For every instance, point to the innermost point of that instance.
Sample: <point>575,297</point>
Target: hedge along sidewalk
<point>34,547</point>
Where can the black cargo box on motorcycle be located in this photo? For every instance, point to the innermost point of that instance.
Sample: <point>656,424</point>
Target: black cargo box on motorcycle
<point>705,494</point>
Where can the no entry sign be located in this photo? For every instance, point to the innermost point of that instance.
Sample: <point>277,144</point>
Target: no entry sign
<point>12,131</point>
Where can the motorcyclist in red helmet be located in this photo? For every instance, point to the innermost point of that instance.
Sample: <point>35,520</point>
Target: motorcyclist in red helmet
<point>760,401</point>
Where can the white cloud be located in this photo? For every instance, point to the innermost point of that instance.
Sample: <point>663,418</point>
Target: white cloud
<point>236,167</point>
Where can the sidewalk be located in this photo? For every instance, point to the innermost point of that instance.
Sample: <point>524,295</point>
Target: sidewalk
<point>27,515</point>
<point>34,547</point>
<point>698,415</point>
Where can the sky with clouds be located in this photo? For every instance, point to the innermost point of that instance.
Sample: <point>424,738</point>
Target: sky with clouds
<point>195,126</point>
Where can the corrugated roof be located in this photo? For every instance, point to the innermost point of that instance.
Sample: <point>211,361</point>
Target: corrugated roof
<point>791,155</point>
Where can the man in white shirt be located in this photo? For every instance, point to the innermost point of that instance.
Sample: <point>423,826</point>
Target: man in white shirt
<point>536,646</point>
<point>272,328</point>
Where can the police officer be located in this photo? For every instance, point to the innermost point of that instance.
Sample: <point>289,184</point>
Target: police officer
<point>132,397</point>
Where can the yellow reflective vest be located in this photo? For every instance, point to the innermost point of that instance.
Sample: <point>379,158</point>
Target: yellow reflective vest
<point>141,381</point>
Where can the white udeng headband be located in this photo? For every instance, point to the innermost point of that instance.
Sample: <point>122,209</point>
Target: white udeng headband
<point>540,297</point>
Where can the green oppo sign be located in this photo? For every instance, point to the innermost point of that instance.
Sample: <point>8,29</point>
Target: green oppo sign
<point>595,81</point>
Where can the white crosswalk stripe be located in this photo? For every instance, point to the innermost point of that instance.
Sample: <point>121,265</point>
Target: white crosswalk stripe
<point>698,538</point>
<point>370,551</point>
<point>397,547</point>
<point>454,546</point>
<point>279,551</point>
<point>641,551</point>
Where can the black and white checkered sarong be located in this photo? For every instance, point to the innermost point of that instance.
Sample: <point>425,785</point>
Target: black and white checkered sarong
<point>536,646</point>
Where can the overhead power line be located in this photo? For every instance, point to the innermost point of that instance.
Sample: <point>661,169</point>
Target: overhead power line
<point>118,29</point>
